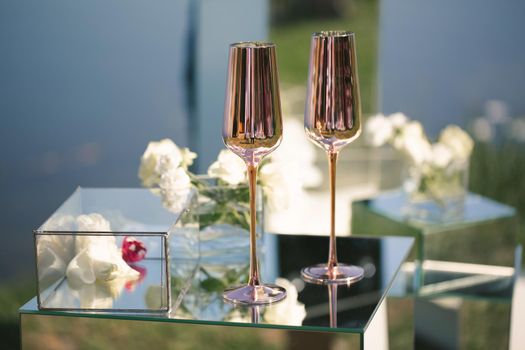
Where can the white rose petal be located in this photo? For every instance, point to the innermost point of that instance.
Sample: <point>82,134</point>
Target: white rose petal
<point>458,141</point>
<point>378,130</point>
<point>398,120</point>
<point>97,257</point>
<point>158,156</point>
<point>418,149</point>
<point>302,164</point>
<point>175,185</point>
<point>279,184</point>
<point>187,157</point>
<point>229,168</point>
<point>441,155</point>
<point>411,130</point>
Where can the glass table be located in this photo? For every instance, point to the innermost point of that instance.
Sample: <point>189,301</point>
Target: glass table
<point>360,316</point>
<point>462,271</point>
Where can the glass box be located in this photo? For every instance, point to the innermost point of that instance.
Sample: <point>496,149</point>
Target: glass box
<point>109,250</point>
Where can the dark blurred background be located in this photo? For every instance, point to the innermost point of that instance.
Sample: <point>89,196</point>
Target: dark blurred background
<point>84,86</point>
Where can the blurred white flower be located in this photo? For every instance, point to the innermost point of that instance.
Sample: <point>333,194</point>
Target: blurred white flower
<point>175,185</point>
<point>235,315</point>
<point>411,139</point>
<point>158,156</point>
<point>518,130</point>
<point>229,167</point>
<point>411,130</point>
<point>279,184</point>
<point>458,141</point>
<point>289,311</point>
<point>187,157</point>
<point>418,149</point>
<point>398,120</point>
<point>441,155</point>
<point>496,111</point>
<point>482,129</point>
<point>378,130</point>
<point>92,222</point>
<point>298,154</point>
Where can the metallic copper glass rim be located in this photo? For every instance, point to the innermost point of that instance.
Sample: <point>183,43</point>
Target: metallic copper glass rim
<point>333,33</point>
<point>252,45</point>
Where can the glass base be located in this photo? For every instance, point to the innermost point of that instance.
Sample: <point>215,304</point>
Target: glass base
<point>254,295</point>
<point>341,274</point>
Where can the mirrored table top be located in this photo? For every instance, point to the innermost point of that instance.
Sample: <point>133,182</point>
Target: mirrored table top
<point>281,257</point>
<point>476,209</point>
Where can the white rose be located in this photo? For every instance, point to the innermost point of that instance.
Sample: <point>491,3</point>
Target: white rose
<point>97,257</point>
<point>289,311</point>
<point>411,130</point>
<point>92,223</point>
<point>279,184</point>
<point>187,157</point>
<point>398,120</point>
<point>229,168</point>
<point>378,130</point>
<point>174,187</point>
<point>441,155</point>
<point>418,149</point>
<point>458,141</point>
<point>302,164</point>
<point>158,155</point>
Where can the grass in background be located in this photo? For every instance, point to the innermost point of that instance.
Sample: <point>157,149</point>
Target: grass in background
<point>293,46</point>
<point>498,172</point>
<point>12,296</point>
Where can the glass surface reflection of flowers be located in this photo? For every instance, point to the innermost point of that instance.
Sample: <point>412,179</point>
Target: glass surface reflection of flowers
<point>94,266</point>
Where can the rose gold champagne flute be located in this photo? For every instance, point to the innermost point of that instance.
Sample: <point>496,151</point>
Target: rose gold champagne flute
<point>252,129</point>
<point>332,120</point>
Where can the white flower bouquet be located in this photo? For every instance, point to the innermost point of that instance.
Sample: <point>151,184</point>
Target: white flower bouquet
<point>438,172</point>
<point>223,192</point>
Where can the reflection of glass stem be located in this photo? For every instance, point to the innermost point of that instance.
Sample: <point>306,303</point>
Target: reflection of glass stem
<point>332,255</point>
<point>332,301</point>
<point>255,313</point>
<point>254,267</point>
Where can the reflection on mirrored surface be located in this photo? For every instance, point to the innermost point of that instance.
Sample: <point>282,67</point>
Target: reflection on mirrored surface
<point>333,318</point>
<point>108,250</point>
<point>308,306</point>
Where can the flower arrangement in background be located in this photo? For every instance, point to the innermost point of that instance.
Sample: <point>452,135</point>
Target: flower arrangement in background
<point>438,170</point>
<point>497,125</point>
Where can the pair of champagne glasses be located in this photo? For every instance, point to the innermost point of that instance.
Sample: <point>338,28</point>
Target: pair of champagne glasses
<point>253,128</point>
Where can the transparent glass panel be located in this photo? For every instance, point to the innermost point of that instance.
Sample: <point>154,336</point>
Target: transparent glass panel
<point>108,250</point>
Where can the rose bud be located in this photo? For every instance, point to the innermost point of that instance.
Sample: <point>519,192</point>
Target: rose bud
<point>133,250</point>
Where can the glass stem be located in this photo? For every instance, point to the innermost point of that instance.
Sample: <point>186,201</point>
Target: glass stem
<point>332,300</point>
<point>332,254</point>
<point>254,267</point>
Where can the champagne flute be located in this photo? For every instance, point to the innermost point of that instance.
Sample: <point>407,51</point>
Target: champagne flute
<point>252,129</point>
<point>332,120</point>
